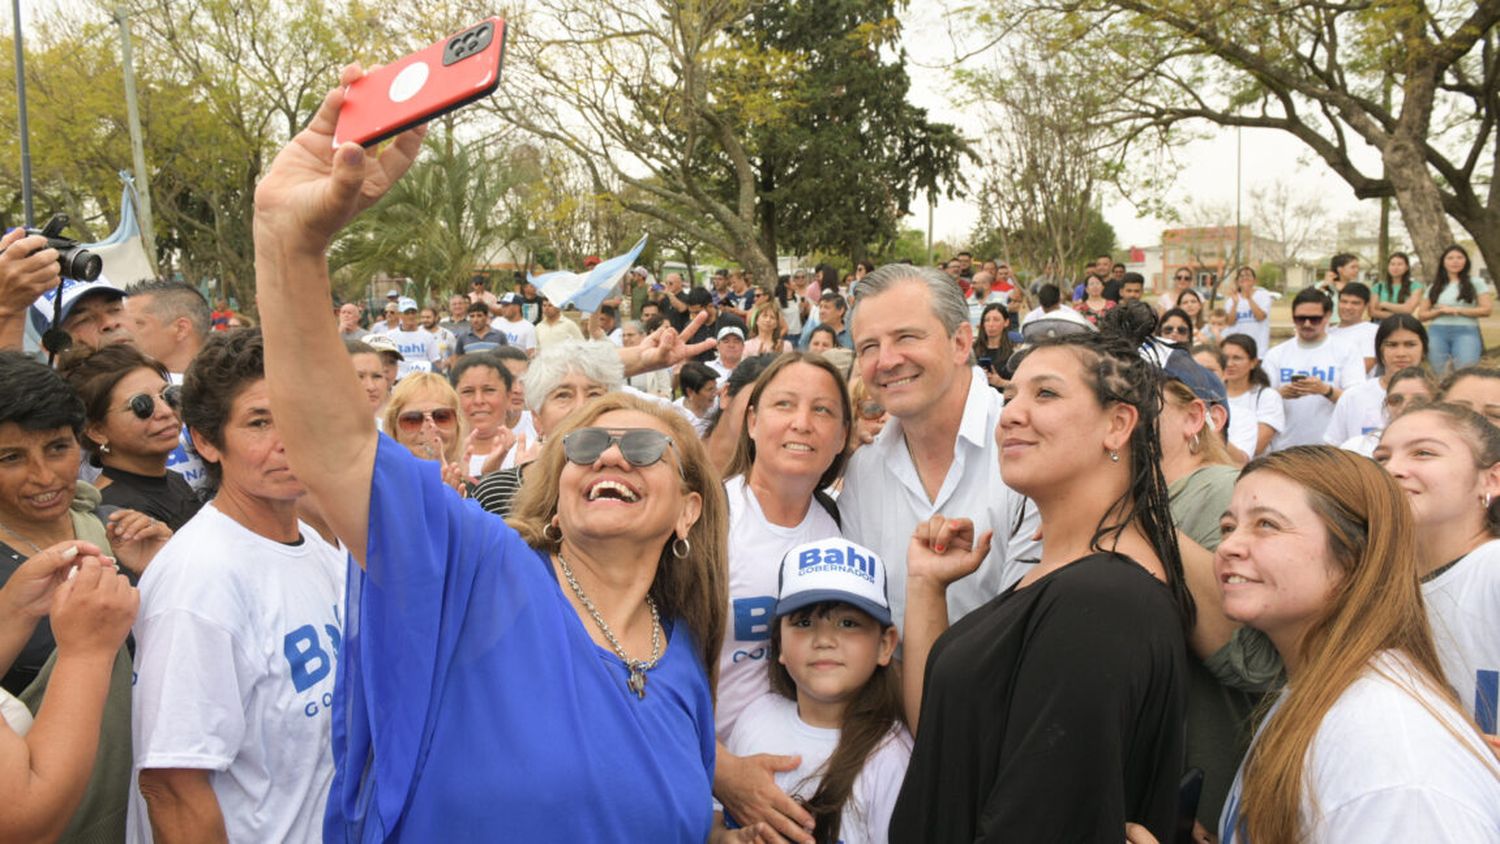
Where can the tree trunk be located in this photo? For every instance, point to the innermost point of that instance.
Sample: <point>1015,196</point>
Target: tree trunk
<point>765,209</point>
<point>1417,196</point>
<point>760,267</point>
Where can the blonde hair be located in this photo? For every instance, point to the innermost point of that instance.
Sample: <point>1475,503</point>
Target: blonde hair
<point>415,385</point>
<point>1376,606</point>
<point>694,589</point>
<point>1207,444</point>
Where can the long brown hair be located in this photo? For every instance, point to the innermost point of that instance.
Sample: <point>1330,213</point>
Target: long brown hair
<point>1376,606</point>
<point>873,711</point>
<point>744,451</point>
<point>695,589</point>
<point>769,306</point>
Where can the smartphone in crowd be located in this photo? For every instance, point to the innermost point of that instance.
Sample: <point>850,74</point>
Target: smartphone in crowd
<point>433,81</point>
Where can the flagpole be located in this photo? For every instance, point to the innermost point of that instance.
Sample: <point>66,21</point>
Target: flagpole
<point>26,202</point>
<point>137,147</point>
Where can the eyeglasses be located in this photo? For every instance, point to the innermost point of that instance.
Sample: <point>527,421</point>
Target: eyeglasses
<point>641,447</point>
<point>1175,329</point>
<point>1396,400</point>
<point>143,405</point>
<point>411,421</point>
<point>871,410</point>
<point>1184,278</point>
<point>1307,319</point>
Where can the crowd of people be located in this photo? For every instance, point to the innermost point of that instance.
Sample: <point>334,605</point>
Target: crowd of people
<point>913,554</point>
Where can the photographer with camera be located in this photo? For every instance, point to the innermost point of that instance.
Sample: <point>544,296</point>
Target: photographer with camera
<point>28,268</point>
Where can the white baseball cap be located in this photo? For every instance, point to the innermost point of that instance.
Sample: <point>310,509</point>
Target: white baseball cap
<point>72,291</point>
<point>381,343</point>
<point>833,570</point>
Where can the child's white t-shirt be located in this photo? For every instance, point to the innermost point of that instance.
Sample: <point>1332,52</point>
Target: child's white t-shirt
<point>755,550</point>
<point>770,724</point>
<point>238,642</point>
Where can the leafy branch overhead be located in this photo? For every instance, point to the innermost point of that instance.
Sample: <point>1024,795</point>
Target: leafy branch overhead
<point>1417,82</point>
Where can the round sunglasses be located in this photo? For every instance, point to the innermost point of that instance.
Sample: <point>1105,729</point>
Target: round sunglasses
<point>143,405</point>
<point>411,421</point>
<point>641,447</point>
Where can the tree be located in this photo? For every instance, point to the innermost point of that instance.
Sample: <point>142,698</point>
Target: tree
<point>841,169</point>
<point>1298,221</point>
<point>439,223</point>
<point>1044,170</point>
<point>668,98</point>
<point>1418,82</point>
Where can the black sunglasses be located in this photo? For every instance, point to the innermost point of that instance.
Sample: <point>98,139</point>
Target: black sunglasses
<point>1176,329</point>
<point>1309,320</point>
<point>144,404</point>
<point>641,447</point>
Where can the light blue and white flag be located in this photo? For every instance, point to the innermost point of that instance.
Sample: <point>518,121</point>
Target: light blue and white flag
<point>587,291</point>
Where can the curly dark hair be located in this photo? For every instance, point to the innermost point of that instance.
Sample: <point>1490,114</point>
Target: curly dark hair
<point>228,363</point>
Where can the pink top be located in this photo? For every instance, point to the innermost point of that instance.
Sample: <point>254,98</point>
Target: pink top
<point>752,346</point>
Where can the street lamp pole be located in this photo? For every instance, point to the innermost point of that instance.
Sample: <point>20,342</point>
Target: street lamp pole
<point>26,201</point>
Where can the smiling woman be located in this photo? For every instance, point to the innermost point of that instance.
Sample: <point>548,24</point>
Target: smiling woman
<point>1368,742</point>
<point>552,680</point>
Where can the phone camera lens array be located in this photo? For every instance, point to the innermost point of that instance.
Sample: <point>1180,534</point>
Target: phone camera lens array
<point>468,43</point>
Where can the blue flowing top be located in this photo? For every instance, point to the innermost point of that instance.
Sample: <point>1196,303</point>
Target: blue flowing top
<point>472,705</point>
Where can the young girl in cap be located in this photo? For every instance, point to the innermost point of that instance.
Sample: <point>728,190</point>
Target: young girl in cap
<point>834,700</point>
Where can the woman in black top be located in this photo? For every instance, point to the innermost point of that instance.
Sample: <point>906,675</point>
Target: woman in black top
<point>132,429</point>
<point>1055,712</point>
<point>993,346</point>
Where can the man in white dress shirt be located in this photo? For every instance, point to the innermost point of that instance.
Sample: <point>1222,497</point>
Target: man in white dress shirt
<point>937,454</point>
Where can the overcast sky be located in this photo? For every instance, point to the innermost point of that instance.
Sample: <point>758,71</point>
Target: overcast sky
<point>1208,169</point>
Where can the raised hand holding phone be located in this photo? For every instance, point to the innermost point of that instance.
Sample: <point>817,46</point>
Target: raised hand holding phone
<point>433,81</point>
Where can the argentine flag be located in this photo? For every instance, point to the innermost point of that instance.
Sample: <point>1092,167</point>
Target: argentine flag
<point>587,291</point>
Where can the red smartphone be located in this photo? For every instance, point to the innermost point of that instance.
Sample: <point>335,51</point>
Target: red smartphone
<point>430,82</point>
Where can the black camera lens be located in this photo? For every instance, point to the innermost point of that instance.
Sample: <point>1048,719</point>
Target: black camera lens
<point>81,264</point>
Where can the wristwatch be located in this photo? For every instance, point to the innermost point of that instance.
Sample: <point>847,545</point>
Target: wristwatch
<point>1329,394</point>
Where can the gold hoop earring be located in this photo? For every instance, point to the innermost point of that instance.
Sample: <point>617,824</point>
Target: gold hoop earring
<point>1196,443</point>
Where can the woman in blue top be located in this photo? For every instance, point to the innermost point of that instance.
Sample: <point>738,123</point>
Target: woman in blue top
<point>547,685</point>
<point>1454,305</point>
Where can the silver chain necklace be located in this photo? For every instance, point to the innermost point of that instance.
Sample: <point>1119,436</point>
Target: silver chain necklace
<point>638,667</point>
<point>20,537</point>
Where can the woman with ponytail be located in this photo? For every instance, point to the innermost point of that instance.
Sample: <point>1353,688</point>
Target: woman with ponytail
<point>1368,742</point>
<point>1055,712</point>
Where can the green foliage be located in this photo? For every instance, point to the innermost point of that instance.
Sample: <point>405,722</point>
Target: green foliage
<point>437,225</point>
<point>842,165</point>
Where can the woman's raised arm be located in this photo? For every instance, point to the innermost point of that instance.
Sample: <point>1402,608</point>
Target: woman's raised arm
<point>311,191</point>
